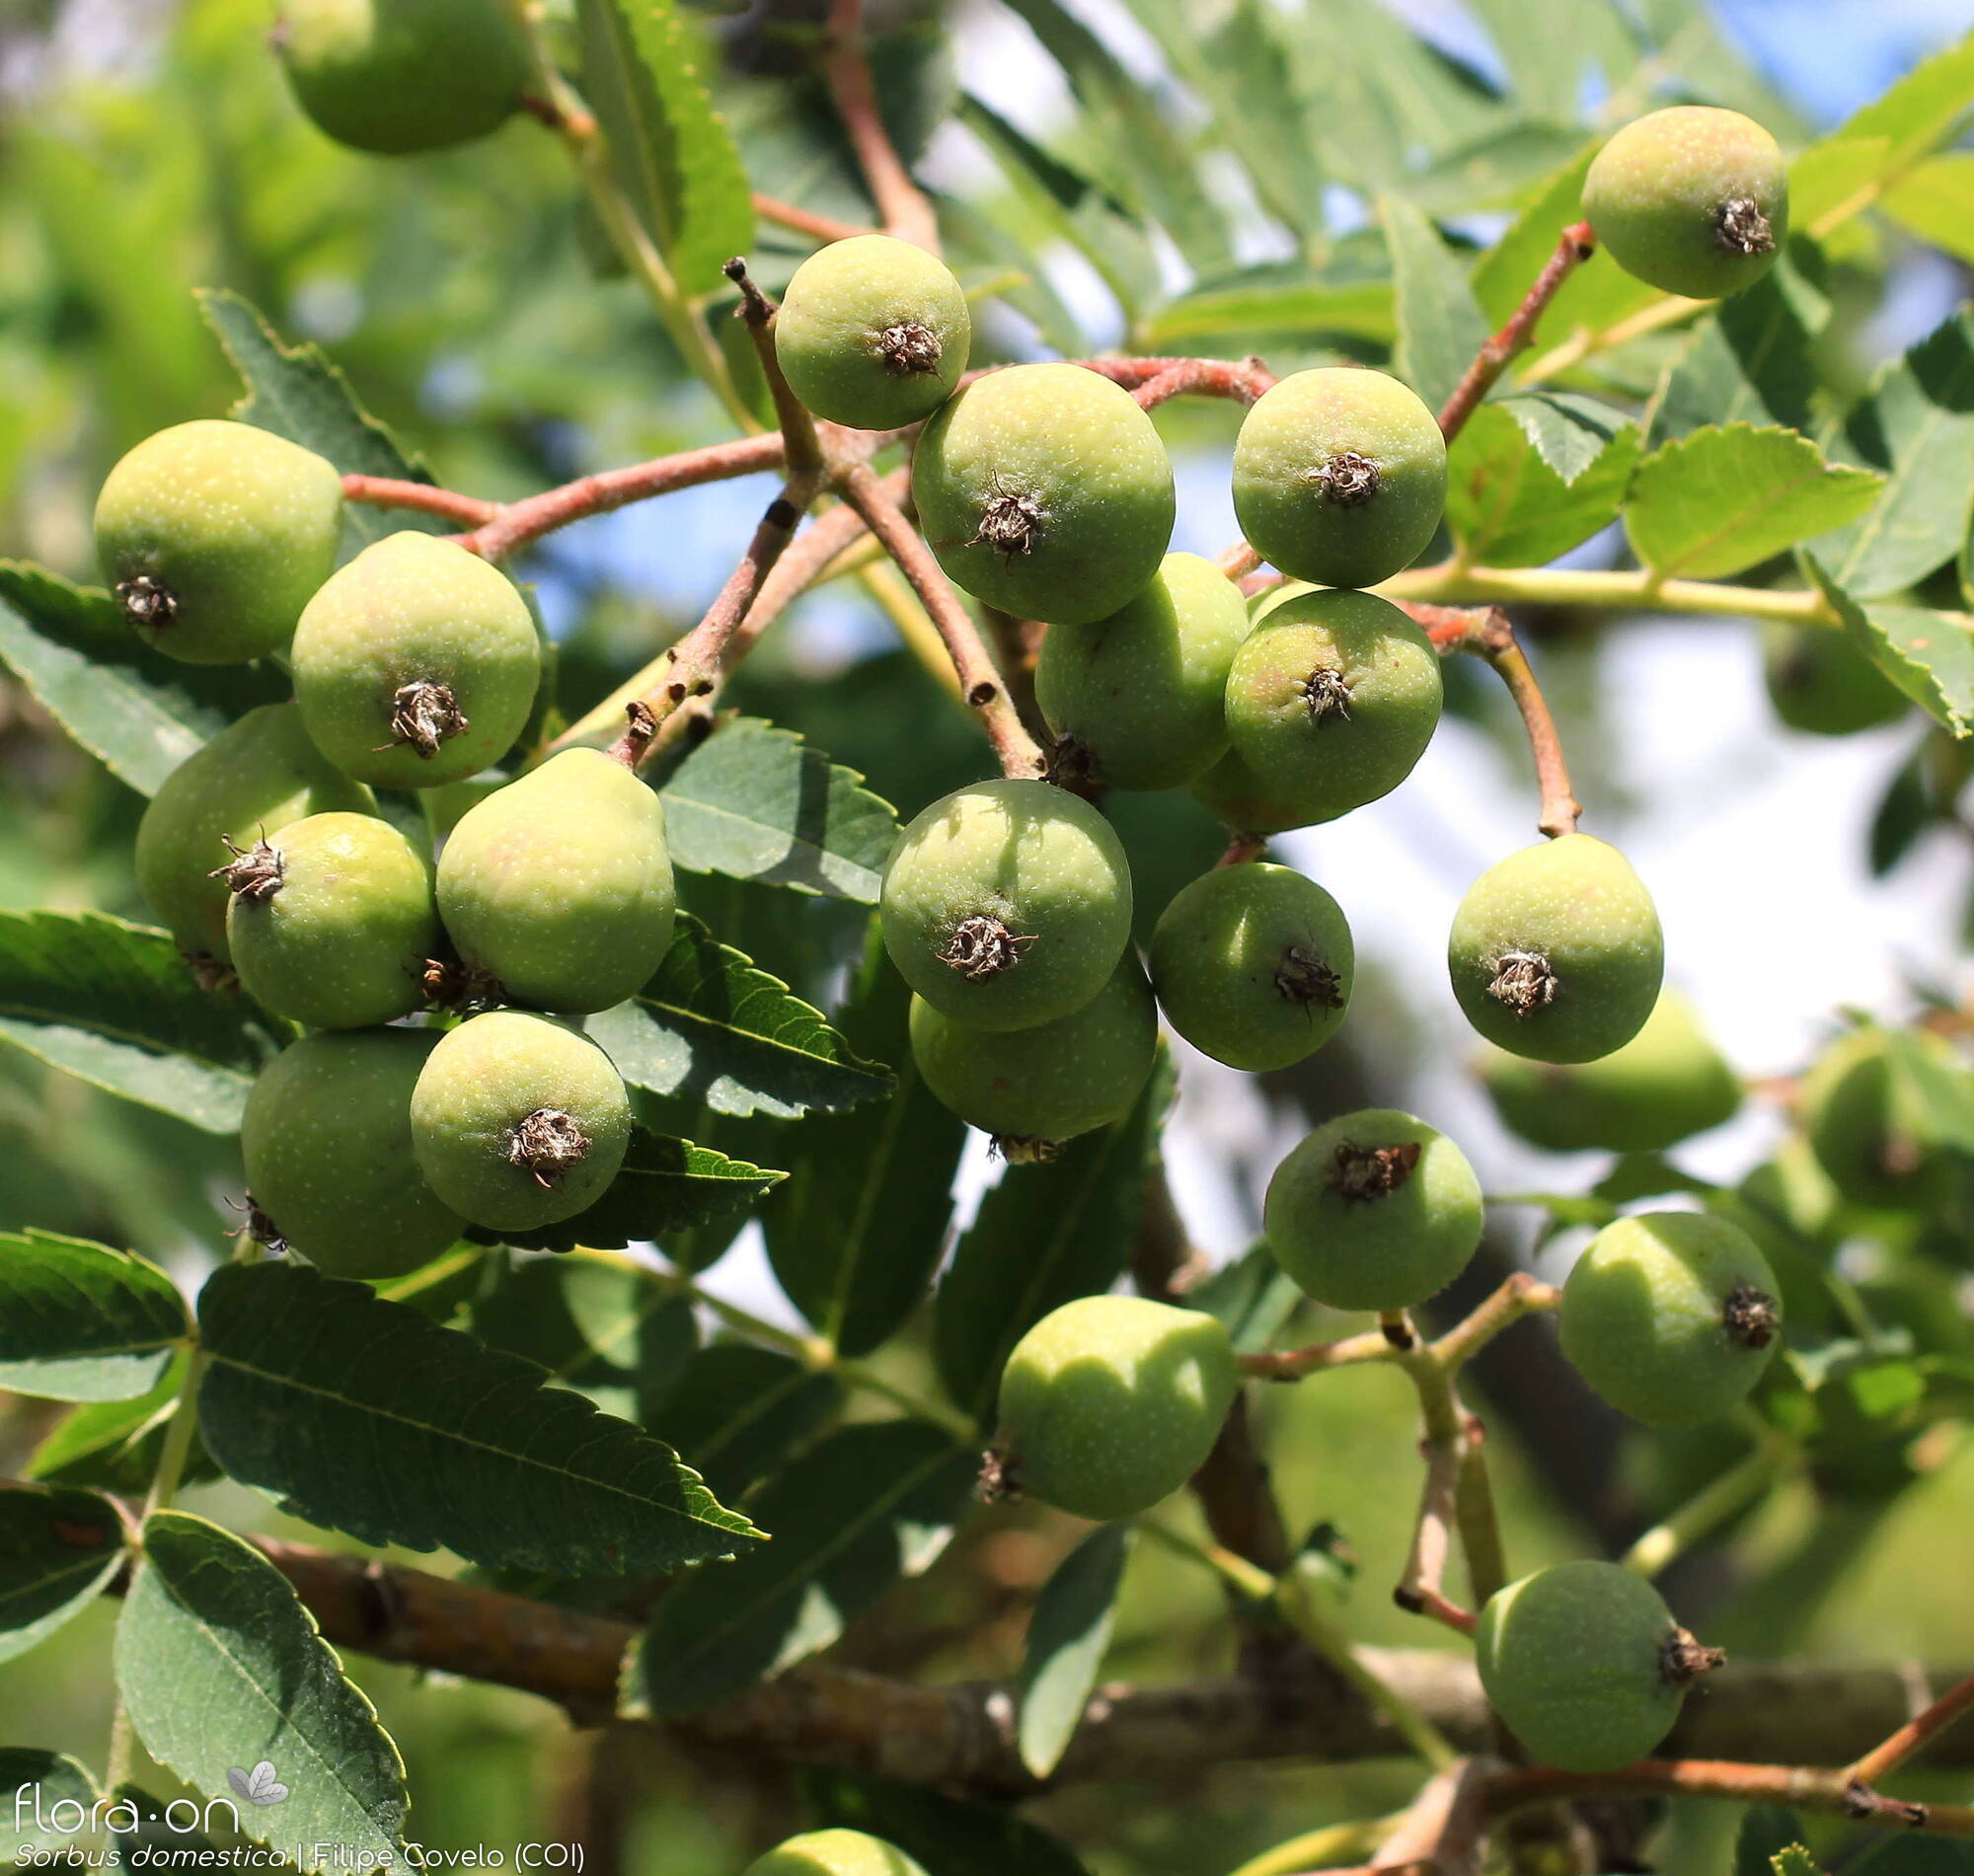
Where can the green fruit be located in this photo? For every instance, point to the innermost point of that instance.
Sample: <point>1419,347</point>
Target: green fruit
<point>1330,702</point>
<point>1138,698</point>
<point>251,779</point>
<point>1044,490</point>
<point>1585,1665</point>
<point>1557,953</point>
<point>1007,904</point>
<point>398,76</point>
<point>327,1137</point>
<point>216,534</point>
<point>872,333</point>
<point>1664,1086</point>
<point>1671,1317</point>
<point>1821,682</point>
<point>559,885</point>
<point>332,922</point>
<point>1374,1211</point>
<point>1692,200</point>
<point>416,664</point>
<point>1253,965</point>
<point>1109,1405</point>
<point>1339,475</point>
<point>1032,1089</point>
<point>519,1121</point>
<point>834,1854</point>
<point>1871,1128</point>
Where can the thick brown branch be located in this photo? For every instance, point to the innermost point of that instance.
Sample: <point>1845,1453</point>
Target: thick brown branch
<point>1494,356</point>
<point>901,204</point>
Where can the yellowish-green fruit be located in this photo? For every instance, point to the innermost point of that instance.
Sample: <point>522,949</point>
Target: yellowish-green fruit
<point>873,333</point>
<point>417,664</point>
<point>214,536</point>
<point>1253,965</point>
<point>398,76</point>
<point>834,1854</point>
<point>1046,491</point>
<point>1007,904</point>
<point>1330,702</point>
<point>1871,1126</point>
<point>1138,697</point>
<point>1109,1405</point>
<point>1821,682</point>
<point>1032,1089</point>
<point>1671,1317</point>
<point>1692,200</point>
<point>519,1121</point>
<point>332,922</point>
<point>1374,1211</point>
<point>559,886</point>
<point>327,1141</point>
<point>1585,1665</point>
<point>1557,953</point>
<point>253,779</point>
<point>1664,1086</point>
<point>1339,475</point>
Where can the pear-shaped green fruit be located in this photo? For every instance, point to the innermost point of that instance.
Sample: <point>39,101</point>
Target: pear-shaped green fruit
<point>1046,491</point>
<point>1557,953</point>
<point>398,76</point>
<point>873,333</point>
<point>834,1854</point>
<point>416,664</point>
<point>1821,681</point>
<point>1253,965</point>
<point>1007,904</point>
<point>1872,1128</point>
<point>327,1140</point>
<point>1138,697</point>
<point>1032,1089</point>
<point>1374,1211</point>
<point>1692,200</point>
<point>1339,475</point>
<point>1109,1405</point>
<point>1664,1086</point>
<point>1671,1317</point>
<point>216,534</point>
<point>332,922</point>
<point>1330,702</point>
<point>1585,1665</point>
<point>253,778</point>
<point>519,1121</point>
<point>559,885</point>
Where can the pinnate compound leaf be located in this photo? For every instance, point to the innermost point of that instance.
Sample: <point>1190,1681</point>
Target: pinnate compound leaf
<point>851,1516</point>
<point>713,1029</point>
<point>49,1779</point>
<point>1928,654</point>
<point>1888,136</point>
<point>80,1321</point>
<point>113,1446</point>
<point>1936,202</point>
<point>1067,1635</point>
<point>1275,298</point>
<point>1440,323</point>
<point>221,1667</point>
<point>139,713</point>
<point>1749,361</point>
<point>1254,1296</point>
<point>1506,504</point>
<point>953,1835</point>
<point>363,1416</point>
<point>57,1548</point>
<point>739,1411</point>
<point>759,803</point>
<point>1712,503</point>
<point>1571,432</point>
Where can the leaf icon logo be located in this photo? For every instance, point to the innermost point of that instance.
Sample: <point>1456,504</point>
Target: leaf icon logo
<point>259,1787</point>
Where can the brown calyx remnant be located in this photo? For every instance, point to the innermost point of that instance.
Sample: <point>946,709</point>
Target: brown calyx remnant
<point>1346,478</point>
<point>1683,1660</point>
<point>1326,694</point>
<point>1010,524</point>
<point>423,714</point>
<point>1524,981</point>
<point>1362,1174</point>
<point>980,947</point>
<point>1740,227</point>
<point>999,1481</point>
<point>546,1145</point>
<point>147,602</point>
<point>1749,1317</point>
<point>1024,1150</point>
<point>253,873</point>
<point>466,988</point>
<point>909,348</point>
<point>210,973</point>
<point>1304,978</point>
<point>1071,766</point>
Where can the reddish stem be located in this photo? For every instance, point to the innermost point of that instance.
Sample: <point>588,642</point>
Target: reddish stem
<point>1242,847</point>
<point>901,204</point>
<point>1241,380</point>
<point>805,221</point>
<point>384,492</point>
<point>1577,245</point>
<point>1893,1752</point>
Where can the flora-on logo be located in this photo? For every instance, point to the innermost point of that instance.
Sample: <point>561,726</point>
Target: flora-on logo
<point>259,1787</point>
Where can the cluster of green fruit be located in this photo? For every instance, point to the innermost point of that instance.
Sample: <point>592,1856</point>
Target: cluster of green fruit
<point>267,854</point>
